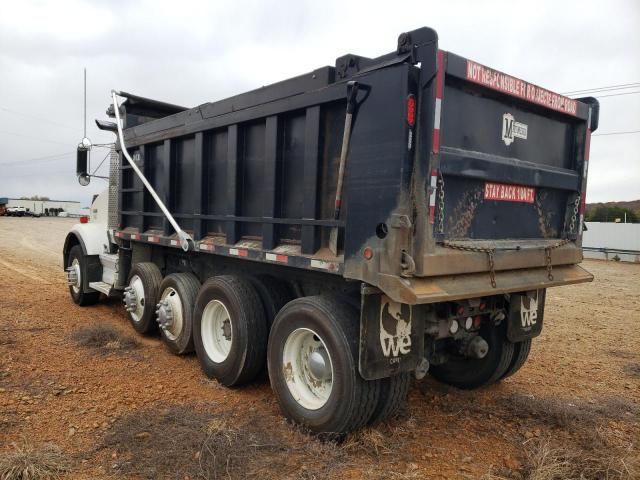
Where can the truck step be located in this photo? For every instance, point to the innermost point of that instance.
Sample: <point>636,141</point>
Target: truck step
<point>102,287</point>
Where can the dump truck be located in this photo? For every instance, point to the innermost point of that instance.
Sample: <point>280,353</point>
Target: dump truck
<point>344,230</point>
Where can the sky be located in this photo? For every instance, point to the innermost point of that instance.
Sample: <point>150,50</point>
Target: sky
<point>192,52</point>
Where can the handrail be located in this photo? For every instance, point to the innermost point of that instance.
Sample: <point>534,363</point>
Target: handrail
<point>184,237</point>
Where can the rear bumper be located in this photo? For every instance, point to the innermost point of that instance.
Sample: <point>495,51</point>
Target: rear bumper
<point>446,261</point>
<point>455,287</point>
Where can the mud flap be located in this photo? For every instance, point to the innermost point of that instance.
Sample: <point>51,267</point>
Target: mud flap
<point>391,337</point>
<point>526,313</point>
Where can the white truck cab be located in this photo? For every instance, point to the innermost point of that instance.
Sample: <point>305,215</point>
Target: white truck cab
<point>90,266</point>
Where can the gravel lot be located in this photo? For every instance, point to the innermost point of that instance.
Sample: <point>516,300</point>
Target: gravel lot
<point>128,408</point>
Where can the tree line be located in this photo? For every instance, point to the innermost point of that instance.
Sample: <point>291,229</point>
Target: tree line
<point>611,214</point>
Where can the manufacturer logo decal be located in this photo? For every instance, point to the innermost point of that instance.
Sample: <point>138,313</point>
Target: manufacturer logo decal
<point>395,328</point>
<point>512,129</point>
<point>528,315</point>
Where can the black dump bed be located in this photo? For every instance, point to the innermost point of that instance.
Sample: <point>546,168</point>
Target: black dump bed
<point>452,169</point>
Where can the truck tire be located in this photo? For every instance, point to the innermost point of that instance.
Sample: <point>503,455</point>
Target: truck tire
<point>144,280</point>
<point>78,261</point>
<point>230,330</point>
<point>323,392</point>
<point>471,373</point>
<point>178,293</point>
<point>520,354</point>
<point>393,395</point>
<point>274,294</point>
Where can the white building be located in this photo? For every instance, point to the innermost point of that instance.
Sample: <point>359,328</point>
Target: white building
<point>606,240</point>
<point>42,206</point>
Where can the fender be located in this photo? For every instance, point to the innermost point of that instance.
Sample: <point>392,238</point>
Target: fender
<point>93,239</point>
<point>91,236</point>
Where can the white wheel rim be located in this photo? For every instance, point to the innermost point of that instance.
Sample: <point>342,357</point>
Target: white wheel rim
<point>138,288</point>
<point>307,368</point>
<point>174,330</point>
<point>217,331</point>
<point>75,266</point>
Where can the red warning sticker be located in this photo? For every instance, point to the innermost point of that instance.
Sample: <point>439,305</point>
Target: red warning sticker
<point>509,193</point>
<point>519,88</point>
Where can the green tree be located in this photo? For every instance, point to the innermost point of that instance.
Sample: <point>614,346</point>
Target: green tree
<point>610,214</point>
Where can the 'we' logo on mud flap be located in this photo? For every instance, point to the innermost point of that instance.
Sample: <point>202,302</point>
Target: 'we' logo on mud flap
<point>528,315</point>
<point>395,328</point>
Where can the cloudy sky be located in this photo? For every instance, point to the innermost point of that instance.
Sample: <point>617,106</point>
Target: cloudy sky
<point>189,52</point>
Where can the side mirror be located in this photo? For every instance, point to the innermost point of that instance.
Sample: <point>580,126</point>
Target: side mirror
<point>82,165</point>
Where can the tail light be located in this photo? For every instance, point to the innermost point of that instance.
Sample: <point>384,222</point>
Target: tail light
<point>411,110</point>
<point>84,219</point>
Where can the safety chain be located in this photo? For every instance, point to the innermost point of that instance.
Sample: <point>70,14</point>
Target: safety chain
<point>490,256</point>
<point>547,255</point>
<point>490,252</point>
<point>441,203</point>
<point>574,216</point>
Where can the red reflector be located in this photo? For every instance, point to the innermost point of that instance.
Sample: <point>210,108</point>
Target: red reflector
<point>84,219</point>
<point>477,320</point>
<point>460,310</point>
<point>411,110</point>
<point>483,306</point>
<point>367,253</point>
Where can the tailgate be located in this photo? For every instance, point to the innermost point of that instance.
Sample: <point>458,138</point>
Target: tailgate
<point>511,159</point>
<point>508,169</point>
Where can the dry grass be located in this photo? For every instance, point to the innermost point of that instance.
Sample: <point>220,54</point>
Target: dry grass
<point>382,439</point>
<point>599,460</point>
<point>180,442</point>
<point>553,412</point>
<point>8,421</point>
<point>27,462</point>
<point>625,355</point>
<point>582,444</point>
<point>632,369</point>
<point>104,338</point>
<point>577,414</point>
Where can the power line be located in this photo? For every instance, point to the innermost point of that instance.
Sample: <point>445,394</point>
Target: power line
<point>617,94</point>
<point>26,115</point>
<point>37,159</point>
<point>33,138</point>
<point>98,167</point>
<point>49,174</point>
<point>607,87</point>
<point>615,133</point>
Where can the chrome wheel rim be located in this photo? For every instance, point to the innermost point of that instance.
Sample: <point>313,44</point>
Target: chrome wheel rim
<point>75,268</point>
<point>170,300</point>
<point>307,368</point>
<point>138,289</point>
<point>217,331</point>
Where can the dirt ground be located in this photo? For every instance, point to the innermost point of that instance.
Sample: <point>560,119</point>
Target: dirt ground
<point>129,409</point>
